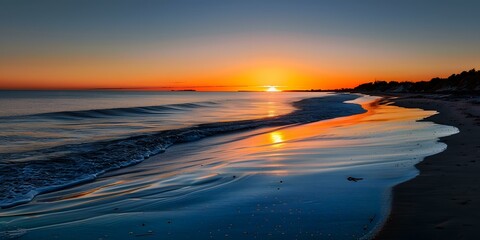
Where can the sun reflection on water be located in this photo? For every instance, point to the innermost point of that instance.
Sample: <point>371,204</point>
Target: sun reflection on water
<point>271,109</point>
<point>276,138</point>
<point>272,113</point>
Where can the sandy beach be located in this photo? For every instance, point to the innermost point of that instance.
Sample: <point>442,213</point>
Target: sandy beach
<point>442,201</point>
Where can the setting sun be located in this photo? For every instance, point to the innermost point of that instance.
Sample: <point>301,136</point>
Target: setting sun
<point>272,89</point>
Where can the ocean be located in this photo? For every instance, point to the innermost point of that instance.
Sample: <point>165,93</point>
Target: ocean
<point>172,165</point>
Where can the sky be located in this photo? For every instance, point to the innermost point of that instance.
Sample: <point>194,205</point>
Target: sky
<point>233,45</point>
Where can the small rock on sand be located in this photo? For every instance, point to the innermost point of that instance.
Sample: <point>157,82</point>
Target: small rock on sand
<point>354,179</point>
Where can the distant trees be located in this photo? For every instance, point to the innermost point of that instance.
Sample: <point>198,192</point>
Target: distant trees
<point>466,81</point>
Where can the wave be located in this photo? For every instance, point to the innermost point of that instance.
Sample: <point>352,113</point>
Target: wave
<point>115,112</point>
<point>27,174</point>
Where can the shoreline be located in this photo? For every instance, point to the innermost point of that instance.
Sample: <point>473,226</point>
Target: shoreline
<point>249,184</point>
<point>442,201</point>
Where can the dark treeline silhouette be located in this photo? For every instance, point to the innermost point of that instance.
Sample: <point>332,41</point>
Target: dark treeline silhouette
<point>467,81</point>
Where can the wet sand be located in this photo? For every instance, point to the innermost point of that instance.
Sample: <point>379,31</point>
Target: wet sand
<point>443,201</point>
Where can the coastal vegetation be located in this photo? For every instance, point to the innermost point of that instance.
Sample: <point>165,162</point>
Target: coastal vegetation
<point>466,81</point>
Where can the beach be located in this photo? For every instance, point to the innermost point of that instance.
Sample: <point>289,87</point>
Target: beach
<point>272,119</point>
<point>324,170</point>
<point>442,201</point>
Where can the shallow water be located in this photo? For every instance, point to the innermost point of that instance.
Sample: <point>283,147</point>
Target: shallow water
<point>30,172</point>
<point>32,120</point>
<point>287,182</point>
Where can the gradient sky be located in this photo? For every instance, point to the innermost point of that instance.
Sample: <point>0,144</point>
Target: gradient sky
<point>231,45</point>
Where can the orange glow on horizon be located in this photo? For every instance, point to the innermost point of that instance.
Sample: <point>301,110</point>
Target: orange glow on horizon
<point>251,76</point>
<point>234,62</point>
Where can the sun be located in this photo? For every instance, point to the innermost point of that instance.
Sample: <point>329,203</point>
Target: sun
<point>272,89</point>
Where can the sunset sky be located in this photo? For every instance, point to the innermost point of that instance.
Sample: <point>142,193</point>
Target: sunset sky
<point>233,45</point>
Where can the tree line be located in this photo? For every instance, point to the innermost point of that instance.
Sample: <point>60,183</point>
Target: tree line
<point>466,81</point>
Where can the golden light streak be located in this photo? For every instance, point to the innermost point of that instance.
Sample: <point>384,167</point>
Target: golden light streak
<point>276,138</point>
